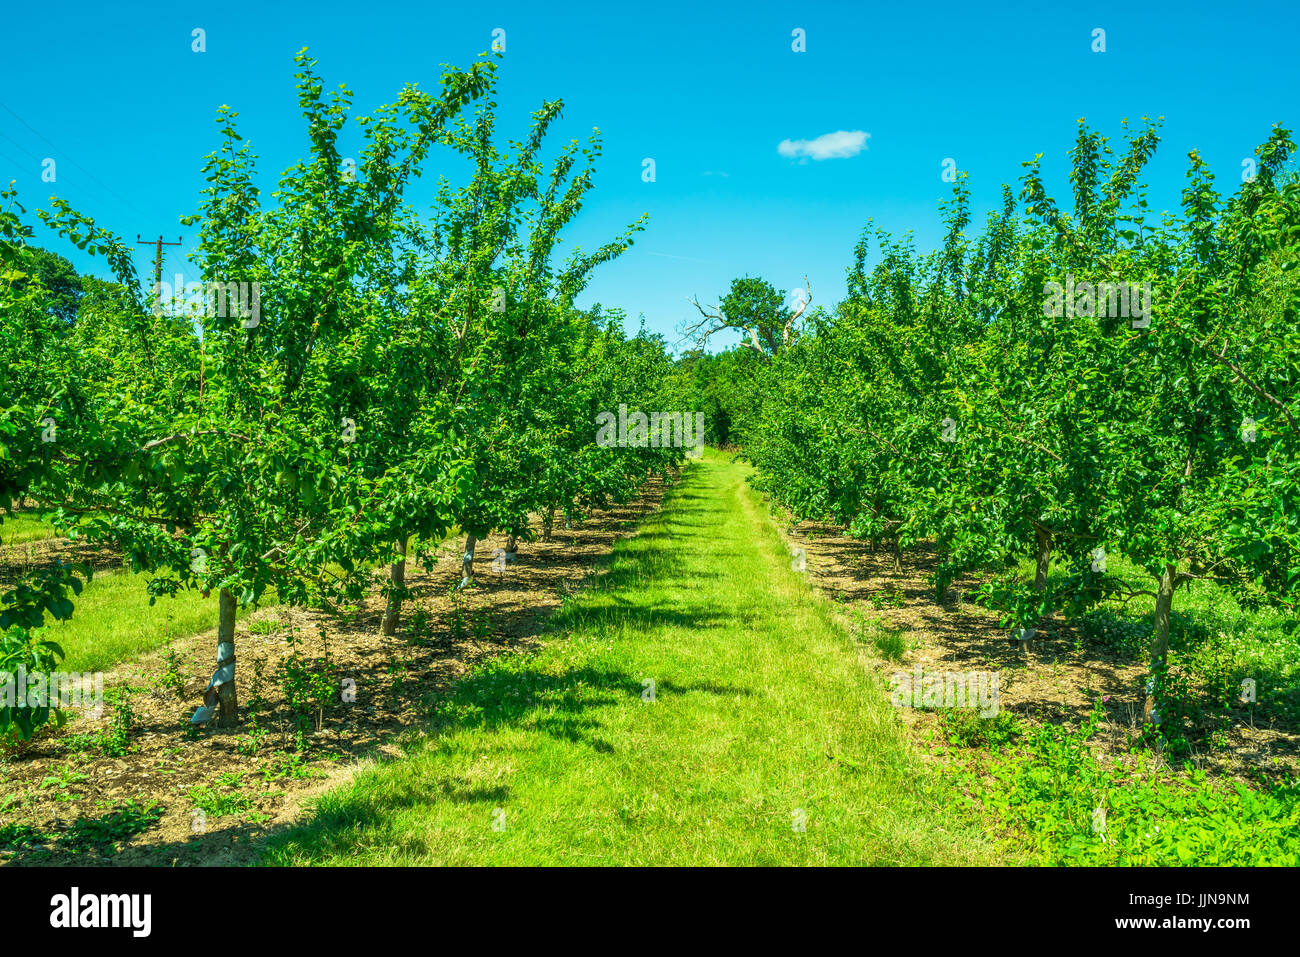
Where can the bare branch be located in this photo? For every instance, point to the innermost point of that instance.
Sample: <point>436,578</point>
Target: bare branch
<point>154,443</point>
<point>794,316</point>
<point>1222,358</point>
<point>719,322</point>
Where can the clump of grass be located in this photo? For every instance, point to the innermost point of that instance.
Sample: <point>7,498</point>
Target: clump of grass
<point>966,728</point>
<point>889,642</point>
<point>217,803</point>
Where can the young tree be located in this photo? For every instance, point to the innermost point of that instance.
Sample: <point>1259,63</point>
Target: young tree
<point>238,476</point>
<point>39,375</point>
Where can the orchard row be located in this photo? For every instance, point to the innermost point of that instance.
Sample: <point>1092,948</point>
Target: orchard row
<point>960,398</point>
<point>409,369</point>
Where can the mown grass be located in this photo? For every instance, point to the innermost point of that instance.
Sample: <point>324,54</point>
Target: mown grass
<point>23,527</point>
<point>698,706</point>
<point>113,621</point>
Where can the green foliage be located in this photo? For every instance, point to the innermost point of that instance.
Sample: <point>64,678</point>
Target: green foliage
<point>984,398</point>
<point>722,386</point>
<point>59,285</point>
<point>1055,796</point>
<point>387,373</point>
<point>217,800</point>
<point>118,824</point>
<point>23,652</point>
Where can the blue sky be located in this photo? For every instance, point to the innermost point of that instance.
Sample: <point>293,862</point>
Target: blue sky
<point>116,96</point>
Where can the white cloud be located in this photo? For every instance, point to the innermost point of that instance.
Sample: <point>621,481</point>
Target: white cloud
<point>838,145</point>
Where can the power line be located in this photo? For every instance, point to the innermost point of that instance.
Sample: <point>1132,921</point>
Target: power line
<point>68,156</point>
<point>126,203</point>
<point>17,164</point>
<point>21,147</point>
<point>110,203</point>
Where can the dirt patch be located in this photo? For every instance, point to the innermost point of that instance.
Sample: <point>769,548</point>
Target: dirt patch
<point>138,786</point>
<point>19,561</point>
<point>1058,678</point>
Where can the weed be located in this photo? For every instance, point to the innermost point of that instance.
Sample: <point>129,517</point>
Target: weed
<point>115,740</point>
<point>1054,795</point>
<point>23,835</point>
<point>214,803</point>
<point>66,777</point>
<point>124,821</point>
<point>172,678</point>
<point>292,766</point>
<point>888,599</point>
<point>308,686</point>
<point>419,631</point>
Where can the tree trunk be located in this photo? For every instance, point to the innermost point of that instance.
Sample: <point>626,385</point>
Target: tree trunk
<point>1160,630</point>
<point>898,556</point>
<point>227,700</point>
<point>547,522</point>
<point>397,578</point>
<point>1044,557</point>
<point>467,563</point>
<point>512,549</point>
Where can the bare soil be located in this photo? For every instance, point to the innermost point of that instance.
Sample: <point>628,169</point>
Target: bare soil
<point>1058,678</point>
<point>174,796</point>
<point>18,561</point>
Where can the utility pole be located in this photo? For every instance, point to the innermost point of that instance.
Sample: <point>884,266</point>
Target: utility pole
<point>158,244</point>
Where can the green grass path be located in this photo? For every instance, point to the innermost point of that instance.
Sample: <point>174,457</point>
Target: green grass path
<point>763,716</point>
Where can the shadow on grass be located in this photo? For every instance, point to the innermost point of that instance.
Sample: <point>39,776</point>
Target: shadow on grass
<point>562,706</point>
<point>520,692</point>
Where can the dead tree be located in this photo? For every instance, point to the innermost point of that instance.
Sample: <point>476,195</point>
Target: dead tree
<point>767,327</point>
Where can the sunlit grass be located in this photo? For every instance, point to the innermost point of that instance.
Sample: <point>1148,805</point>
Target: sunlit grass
<point>699,706</point>
<point>23,527</point>
<point>1215,636</point>
<point>113,621</point>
